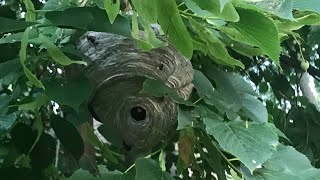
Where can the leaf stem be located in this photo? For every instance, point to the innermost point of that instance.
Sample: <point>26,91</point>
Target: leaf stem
<point>194,15</point>
<point>208,139</point>
<point>130,168</point>
<point>180,4</point>
<point>189,14</point>
<point>233,159</point>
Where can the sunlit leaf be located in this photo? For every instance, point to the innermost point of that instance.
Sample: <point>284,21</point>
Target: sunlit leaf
<point>258,30</point>
<point>146,9</point>
<point>30,15</point>
<point>172,25</point>
<point>112,9</point>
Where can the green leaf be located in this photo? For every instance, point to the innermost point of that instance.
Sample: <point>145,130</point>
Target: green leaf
<point>212,9</point>
<point>147,169</point>
<point>6,122</point>
<point>89,18</point>
<point>13,25</point>
<point>159,89</point>
<point>105,175</point>
<point>23,56</point>
<point>112,9</point>
<point>68,135</point>
<point>252,143</point>
<point>9,67</point>
<point>214,45</point>
<point>286,163</point>
<point>16,37</point>
<point>202,84</point>
<point>196,9</point>
<point>136,34</point>
<point>23,161</point>
<point>282,9</point>
<point>258,30</point>
<point>230,86</point>
<point>146,10</point>
<point>40,100</point>
<point>38,125</point>
<point>200,46</point>
<point>162,160</point>
<point>306,5</point>
<point>185,118</point>
<point>254,109</point>
<point>308,18</point>
<point>56,54</point>
<point>105,150</point>
<point>71,92</point>
<point>222,4</point>
<point>30,15</point>
<point>172,25</point>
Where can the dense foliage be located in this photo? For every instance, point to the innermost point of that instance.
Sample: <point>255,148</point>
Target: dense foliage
<point>247,117</point>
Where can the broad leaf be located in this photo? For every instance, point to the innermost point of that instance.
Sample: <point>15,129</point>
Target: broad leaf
<point>6,122</point>
<point>185,118</point>
<point>146,9</point>
<point>214,45</point>
<point>252,143</point>
<point>147,169</point>
<point>9,67</point>
<point>172,25</point>
<point>222,4</point>
<point>16,37</point>
<point>258,30</point>
<point>159,89</point>
<point>105,175</point>
<point>112,9</point>
<point>230,86</point>
<point>308,5</point>
<point>68,135</point>
<point>136,34</point>
<point>13,25</point>
<point>89,18</point>
<point>254,109</point>
<point>56,54</point>
<point>23,56</point>
<point>30,15</point>
<point>286,163</point>
<point>94,140</point>
<point>212,9</point>
<point>35,104</point>
<point>202,84</point>
<point>69,92</point>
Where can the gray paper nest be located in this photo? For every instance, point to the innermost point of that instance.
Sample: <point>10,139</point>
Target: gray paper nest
<point>117,68</point>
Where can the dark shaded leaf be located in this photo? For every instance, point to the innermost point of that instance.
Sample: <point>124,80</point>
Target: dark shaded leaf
<point>147,169</point>
<point>10,25</point>
<point>71,92</point>
<point>68,135</point>
<point>89,18</point>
